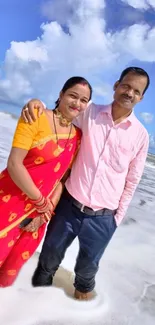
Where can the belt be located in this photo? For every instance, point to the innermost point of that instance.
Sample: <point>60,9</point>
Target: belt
<point>84,208</point>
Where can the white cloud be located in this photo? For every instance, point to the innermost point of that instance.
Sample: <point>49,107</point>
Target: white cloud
<point>147,117</point>
<point>135,42</point>
<point>103,90</point>
<point>140,4</point>
<point>65,10</point>
<point>39,68</point>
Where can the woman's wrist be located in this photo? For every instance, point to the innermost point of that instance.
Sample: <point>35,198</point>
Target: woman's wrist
<point>42,206</point>
<point>36,197</point>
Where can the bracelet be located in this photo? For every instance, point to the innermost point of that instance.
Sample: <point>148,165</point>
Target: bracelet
<point>38,200</point>
<point>42,208</point>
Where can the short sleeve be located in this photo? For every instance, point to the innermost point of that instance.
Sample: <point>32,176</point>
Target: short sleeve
<point>25,134</point>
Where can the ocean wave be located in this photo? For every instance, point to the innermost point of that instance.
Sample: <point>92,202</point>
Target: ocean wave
<point>7,127</point>
<point>150,165</point>
<point>8,123</point>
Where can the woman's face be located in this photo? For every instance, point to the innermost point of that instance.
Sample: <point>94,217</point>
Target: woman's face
<point>74,100</point>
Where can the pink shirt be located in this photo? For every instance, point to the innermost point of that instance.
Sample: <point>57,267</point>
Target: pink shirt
<point>110,161</point>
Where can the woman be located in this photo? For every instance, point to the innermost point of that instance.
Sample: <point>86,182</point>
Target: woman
<point>41,154</point>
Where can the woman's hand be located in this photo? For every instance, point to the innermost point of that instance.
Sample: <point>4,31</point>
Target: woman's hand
<point>45,208</point>
<point>43,205</point>
<point>35,224</point>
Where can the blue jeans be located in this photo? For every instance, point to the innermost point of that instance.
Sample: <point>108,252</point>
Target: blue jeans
<point>94,234</point>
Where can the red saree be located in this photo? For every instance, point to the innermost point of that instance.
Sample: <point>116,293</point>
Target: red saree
<point>46,162</point>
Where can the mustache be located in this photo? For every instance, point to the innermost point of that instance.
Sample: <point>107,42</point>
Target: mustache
<point>126,97</point>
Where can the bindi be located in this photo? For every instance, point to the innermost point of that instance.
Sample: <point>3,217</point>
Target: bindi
<point>83,84</point>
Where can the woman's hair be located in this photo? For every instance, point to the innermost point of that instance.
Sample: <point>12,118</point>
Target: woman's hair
<point>71,83</point>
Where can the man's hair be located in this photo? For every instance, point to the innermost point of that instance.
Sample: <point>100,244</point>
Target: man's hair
<point>138,71</point>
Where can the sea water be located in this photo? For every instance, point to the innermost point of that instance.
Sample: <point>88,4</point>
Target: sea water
<point>125,283</point>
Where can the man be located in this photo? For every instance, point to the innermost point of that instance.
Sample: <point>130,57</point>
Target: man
<point>101,185</point>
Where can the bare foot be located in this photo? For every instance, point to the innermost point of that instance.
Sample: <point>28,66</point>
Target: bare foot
<point>83,296</point>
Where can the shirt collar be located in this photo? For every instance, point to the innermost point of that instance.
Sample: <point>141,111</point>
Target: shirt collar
<point>108,109</point>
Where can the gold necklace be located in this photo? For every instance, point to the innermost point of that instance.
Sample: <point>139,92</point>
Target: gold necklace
<point>56,134</point>
<point>62,119</point>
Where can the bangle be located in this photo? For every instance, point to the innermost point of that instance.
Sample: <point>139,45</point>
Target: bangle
<point>38,200</point>
<point>42,208</point>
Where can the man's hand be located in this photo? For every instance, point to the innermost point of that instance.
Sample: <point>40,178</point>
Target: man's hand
<point>27,113</point>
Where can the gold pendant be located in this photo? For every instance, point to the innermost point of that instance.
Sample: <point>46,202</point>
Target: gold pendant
<point>62,119</point>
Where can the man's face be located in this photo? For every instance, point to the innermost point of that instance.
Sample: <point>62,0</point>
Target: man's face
<point>130,90</point>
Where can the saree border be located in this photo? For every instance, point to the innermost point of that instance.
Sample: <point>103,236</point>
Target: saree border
<point>51,137</point>
<point>17,222</point>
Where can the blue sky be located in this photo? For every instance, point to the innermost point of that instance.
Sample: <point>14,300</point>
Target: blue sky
<point>96,39</point>
<point>19,21</point>
<point>120,15</point>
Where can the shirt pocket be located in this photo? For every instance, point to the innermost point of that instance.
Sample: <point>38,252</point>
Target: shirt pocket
<point>120,157</point>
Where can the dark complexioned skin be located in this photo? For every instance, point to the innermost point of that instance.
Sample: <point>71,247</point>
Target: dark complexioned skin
<point>130,90</point>
<point>127,93</point>
<point>72,102</point>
